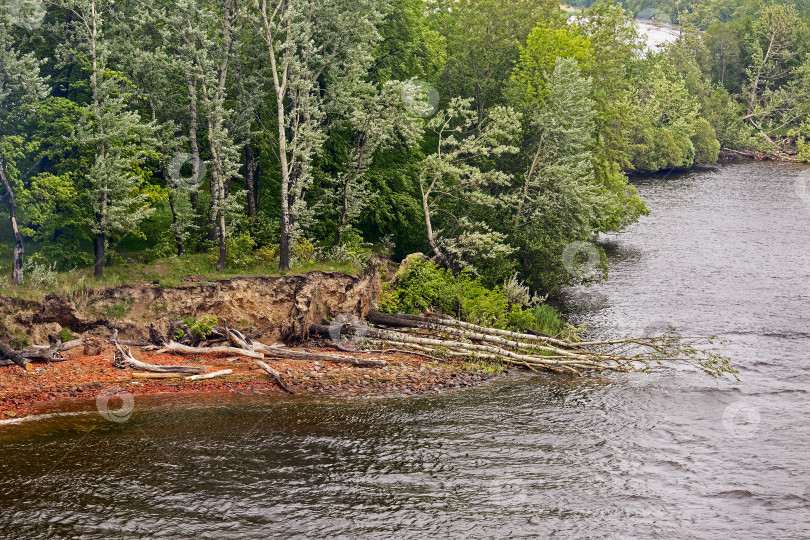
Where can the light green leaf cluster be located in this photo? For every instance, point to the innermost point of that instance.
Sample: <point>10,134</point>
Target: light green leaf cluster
<point>457,178</point>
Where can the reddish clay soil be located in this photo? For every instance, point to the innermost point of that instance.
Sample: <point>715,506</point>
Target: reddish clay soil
<point>82,378</point>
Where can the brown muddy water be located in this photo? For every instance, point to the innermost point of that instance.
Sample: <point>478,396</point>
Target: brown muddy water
<point>669,455</point>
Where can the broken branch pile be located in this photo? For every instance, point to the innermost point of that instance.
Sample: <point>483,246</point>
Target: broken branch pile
<point>445,336</point>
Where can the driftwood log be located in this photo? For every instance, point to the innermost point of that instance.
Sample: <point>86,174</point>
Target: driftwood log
<point>317,329</point>
<point>148,375</point>
<point>175,347</point>
<point>275,374</point>
<point>47,354</point>
<point>13,357</point>
<point>236,339</point>
<point>124,357</point>
<point>210,375</point>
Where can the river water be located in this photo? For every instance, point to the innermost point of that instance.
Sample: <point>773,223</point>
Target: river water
<point>668,455</point>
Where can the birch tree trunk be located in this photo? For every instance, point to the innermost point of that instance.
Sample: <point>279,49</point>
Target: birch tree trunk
<point>192,137</point>
<point>16,266</point>
<point>280,87</point>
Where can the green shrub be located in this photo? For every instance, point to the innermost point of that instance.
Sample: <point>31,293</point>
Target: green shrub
<point>66,335</point>
<point>424,286</point>
<point>803,142</point>
<point>200,328</point>
<point>302,251</point>
<point>389,298</point>
<point>266,256</point>
<point>38,273</point>
<point>239,251</point>
<point>548,320</point>
<point>165,247</point>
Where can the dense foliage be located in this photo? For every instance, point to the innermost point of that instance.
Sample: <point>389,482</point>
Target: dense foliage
<point>492,135</point>
<point>422,286</point>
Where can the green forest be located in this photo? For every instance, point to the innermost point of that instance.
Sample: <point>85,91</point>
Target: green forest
<point>234,136</point>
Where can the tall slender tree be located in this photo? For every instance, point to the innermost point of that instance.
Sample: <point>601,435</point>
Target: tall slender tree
<point>456,178</point>
<point>119,139</point>
<point>20,84</point>
<point>377,118</point>
<point>315,48</point>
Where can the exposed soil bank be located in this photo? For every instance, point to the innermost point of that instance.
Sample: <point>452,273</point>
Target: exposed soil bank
<point>69,385</point>
<point>274,307</point>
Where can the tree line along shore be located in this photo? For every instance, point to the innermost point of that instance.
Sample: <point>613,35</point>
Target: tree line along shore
<point>172,141</point>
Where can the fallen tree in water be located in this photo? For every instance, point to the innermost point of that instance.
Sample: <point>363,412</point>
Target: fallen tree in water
<point>445,336</point>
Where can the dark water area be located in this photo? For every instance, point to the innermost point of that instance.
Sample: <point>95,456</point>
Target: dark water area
<point>672,455</point>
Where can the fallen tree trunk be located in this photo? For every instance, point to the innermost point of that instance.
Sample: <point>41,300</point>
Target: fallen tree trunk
<point>51,354</point>
<point>275,374</point>
<point>124,357</point>
<point>446,336</point>
<point>210,375</point>
<point>484,336</point>
<point>551,363</point>
<point>13,356</point>
<point>173,346</point>
<point>430,323</point>
<point>156,375</point>
<point>278,352</point>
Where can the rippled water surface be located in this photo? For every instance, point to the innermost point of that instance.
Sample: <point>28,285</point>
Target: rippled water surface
<point>669,455</point>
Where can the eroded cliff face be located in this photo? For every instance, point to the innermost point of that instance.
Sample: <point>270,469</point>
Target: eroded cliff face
<point>280,308</point>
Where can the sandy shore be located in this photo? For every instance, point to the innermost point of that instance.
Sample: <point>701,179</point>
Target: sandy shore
<point>83,378</point>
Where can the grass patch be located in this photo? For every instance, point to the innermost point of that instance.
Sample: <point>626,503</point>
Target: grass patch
<point>120,310</point>
<point>484,366</point>
<point>168,272</point>
<point>66,335</point>
<point>548,320</point>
